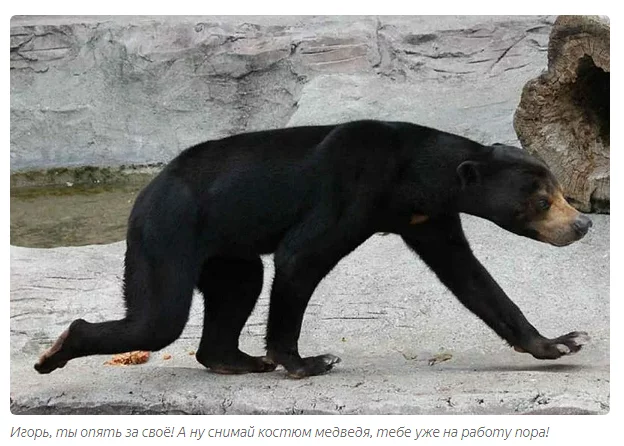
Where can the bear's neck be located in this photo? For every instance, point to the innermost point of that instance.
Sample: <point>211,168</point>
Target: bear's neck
<point>435,177</point>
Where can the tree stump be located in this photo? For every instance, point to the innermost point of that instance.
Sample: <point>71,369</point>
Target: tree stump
<point>563,116</point>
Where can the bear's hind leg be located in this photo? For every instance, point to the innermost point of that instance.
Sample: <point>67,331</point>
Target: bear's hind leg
<point>230,287</point>
<point>158,296</point>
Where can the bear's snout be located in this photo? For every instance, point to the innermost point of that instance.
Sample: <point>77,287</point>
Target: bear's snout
<point>582,224</point>
<point>561,225</point>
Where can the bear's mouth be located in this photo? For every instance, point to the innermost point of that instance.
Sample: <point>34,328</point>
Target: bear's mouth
<point>558,238</point>
<point>558,243</point>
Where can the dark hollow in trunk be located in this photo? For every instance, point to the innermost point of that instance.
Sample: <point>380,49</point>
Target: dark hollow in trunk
<point>563,116</point>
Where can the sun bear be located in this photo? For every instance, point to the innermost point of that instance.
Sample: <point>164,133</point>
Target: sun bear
<point>311,195</point>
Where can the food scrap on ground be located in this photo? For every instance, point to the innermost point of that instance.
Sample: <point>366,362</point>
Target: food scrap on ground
<point>129,358</point>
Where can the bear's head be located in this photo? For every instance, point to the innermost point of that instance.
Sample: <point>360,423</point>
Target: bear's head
<point>520,194</point>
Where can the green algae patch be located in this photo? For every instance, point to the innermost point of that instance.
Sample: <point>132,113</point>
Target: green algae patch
<point>73,207</point>
<point>85,175</point>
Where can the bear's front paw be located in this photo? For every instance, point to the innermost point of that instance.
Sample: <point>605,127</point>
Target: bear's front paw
<point>567,344</point>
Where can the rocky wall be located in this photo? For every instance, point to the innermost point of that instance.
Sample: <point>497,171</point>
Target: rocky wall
<point>112,91</point>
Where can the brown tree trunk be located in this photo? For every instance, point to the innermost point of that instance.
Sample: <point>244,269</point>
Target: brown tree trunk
<point>563,116</point>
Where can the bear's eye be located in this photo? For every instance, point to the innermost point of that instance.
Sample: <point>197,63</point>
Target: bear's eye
<point>544,204</point>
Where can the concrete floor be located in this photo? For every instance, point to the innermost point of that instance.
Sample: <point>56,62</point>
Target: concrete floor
<point>380,310</point>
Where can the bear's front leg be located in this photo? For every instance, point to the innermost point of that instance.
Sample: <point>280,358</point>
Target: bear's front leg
<point>441,243</point>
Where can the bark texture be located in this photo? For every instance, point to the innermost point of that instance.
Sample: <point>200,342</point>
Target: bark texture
<point>563,116</point>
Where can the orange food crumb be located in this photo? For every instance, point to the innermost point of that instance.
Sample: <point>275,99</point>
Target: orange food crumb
<point>167,357</point>
<point>129,358</point>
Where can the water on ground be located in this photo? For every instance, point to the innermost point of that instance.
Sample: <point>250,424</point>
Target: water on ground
<point>46,217</point>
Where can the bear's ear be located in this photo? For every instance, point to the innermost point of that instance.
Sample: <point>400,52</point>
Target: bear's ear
<point>468,173</point>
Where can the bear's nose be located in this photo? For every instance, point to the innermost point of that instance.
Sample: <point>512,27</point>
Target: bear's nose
<point>582,224</point>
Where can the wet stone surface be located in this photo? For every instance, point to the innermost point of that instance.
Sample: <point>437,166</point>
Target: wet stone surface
<point>46,217</point>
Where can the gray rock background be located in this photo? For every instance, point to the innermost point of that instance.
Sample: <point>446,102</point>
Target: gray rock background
<point>112,91</point>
